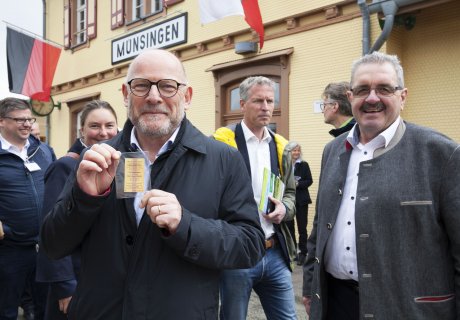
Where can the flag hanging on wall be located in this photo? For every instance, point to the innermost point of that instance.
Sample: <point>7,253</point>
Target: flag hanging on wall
<point>31,65</point>
<point>212,10</point>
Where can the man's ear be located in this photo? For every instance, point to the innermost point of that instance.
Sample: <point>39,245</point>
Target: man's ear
<point>349,95</point>
<point>125,91</point>
<point>242,103</point>
<point>403,97</point>
<point>188,97</point>
<point>336,106</point>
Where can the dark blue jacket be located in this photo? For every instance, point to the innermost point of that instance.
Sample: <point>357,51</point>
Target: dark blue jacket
<point>21,193</point>
<point>62,274</point>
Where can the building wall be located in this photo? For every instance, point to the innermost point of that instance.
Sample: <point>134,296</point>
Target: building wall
<point>430,58</point>
<point>324,49</point>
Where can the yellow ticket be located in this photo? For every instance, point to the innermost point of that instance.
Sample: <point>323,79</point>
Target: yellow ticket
<point>134,175</point>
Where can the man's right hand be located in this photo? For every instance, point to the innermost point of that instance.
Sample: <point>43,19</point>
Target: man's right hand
<point>64,304</point>
<point>307,303</point>
<point>97,169</point>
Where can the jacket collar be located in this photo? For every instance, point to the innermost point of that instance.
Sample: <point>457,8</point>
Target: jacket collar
<point>34,143</point>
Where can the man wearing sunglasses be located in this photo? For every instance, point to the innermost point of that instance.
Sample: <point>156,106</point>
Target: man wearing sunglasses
<point>385,242</point>
<point>23,162</point>
<point>159,253</point>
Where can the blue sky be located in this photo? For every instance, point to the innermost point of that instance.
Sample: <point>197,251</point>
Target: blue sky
<point>25,14</point>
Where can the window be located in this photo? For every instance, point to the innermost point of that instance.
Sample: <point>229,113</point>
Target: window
<point>140,9</point>
<point>80,34</point>
<point>79,22</point>
<point>136,10</point>
<point>275,66</point>
<point>138,6</point>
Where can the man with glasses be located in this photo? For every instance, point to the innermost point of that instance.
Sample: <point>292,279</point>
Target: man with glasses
<point>23,162</point>
<point>336,108</point>
<point>385,242</point>
<point>158,253</point>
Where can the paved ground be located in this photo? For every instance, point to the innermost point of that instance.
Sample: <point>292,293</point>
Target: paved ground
<point>256,312</point>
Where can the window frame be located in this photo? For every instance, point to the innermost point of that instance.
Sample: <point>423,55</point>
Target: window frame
<point>275,65</point>
<point>78,29</point>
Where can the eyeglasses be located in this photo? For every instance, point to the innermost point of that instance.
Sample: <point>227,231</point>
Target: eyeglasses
<point>381,91</point>
<point>323,105</point>
<point>166,87</point>
<point>21,121</point>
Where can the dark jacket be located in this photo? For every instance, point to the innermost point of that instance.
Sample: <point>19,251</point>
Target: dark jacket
<point>407,226</point>
<point>61,274</point>
<point>131,272</point>
<point>233,135</point>
<point>21,193</point>
<point>337,132</point>
<point>302,170</point>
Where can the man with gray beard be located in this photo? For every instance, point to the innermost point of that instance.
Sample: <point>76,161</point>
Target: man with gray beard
<point>157,253</point>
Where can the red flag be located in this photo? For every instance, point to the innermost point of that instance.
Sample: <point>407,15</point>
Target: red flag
<point>254,18</point>
<point>31,65</point>
<point>212,10</point>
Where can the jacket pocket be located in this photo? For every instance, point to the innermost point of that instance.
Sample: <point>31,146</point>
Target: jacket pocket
<point>417,203</point>
<point>434,299</point>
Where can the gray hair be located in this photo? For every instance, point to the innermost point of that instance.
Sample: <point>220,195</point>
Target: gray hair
<point>379,58</point>
<point>250,82</point>
<point>337,91</point>
<point>10,104</point>
<point>292,145</point>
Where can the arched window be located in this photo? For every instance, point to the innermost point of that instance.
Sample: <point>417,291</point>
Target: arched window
<point>228,76</point>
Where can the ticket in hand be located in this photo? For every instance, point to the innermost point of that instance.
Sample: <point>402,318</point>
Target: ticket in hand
<point>130,175</point>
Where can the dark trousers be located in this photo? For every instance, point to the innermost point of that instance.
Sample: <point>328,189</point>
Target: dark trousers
<point>342,299</point>
<point>17,267</point>
<point>301,217</point>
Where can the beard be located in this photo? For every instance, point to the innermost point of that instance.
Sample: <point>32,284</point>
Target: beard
<point>156,125</point>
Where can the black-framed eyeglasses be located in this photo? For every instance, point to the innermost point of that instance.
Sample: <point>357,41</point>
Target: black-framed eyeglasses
<point>381,91</point>
<point>166,87</point>
<point>323,104</point>
<point>21,121</point>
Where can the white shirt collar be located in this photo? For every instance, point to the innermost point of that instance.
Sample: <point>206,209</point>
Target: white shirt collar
<point>387,135</point>
<point>248,134</point>
<point>164,147</point>
<point>6,145</point>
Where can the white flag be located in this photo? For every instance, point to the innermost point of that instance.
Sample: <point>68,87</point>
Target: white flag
<point>213,10</point>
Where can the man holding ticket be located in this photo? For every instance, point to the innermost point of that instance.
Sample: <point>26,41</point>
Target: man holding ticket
<point>268,163</point>
<point>154,233</point>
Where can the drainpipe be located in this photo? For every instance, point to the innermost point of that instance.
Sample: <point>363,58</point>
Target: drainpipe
<point>366,25</point>
<point>389,9</point>
<point>48,120</point>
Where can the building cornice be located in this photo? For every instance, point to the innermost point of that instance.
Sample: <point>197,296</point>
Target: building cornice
<point>301,22</point>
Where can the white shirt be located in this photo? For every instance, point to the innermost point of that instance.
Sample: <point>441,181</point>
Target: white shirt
<point>147,165</point>
<point>340,255</point>
<point>259,158</point>
<point>22,153</point>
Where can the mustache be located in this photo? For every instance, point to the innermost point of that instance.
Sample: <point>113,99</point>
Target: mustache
<point>375,107</point>
<point>155,108</point>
